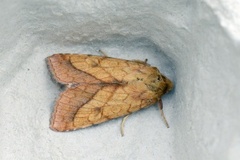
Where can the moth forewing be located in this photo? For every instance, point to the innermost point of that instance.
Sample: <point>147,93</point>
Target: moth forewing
<point>104,88</point>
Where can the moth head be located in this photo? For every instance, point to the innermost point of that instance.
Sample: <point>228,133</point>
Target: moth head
<point>158,83</point>
<point>168,84</point>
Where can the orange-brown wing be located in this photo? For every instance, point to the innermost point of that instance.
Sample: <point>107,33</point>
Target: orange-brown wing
<point>104,88</point>
<point>69,103</point>
<point>65,73</point>
<point>84,106</point>
<point>110,70</point>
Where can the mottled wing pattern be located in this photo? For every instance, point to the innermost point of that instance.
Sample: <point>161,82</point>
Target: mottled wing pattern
<point>109,69</point>
<point>109,102</point>
<point>100,92</point>
<point>68,104</point>
<point>65,73</point>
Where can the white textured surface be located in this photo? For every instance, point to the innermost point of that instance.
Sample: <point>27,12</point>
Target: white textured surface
<point>185,39</point>
<point>228,14</point>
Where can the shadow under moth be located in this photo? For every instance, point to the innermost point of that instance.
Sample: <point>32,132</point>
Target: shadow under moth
<point>100,88</point>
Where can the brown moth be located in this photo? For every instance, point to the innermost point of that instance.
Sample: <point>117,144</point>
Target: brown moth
<point>100,88</point>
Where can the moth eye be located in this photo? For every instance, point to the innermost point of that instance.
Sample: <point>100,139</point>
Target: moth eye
<point>139,79</point>
<point>159,78</point>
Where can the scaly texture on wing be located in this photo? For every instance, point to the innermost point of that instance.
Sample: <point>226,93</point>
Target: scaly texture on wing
<point>65,73</point>
<point>111,70</point>
<point>69,103</point>
<point>110,102</point>
<point>100,88</point>
<point>84,106</point>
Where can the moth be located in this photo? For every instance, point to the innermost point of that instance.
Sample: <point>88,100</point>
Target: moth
<point>101,88</point>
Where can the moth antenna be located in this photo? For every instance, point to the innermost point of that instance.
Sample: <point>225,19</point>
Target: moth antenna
<point>160,105</point>
<point>103,53</point>
<point>122,124</point>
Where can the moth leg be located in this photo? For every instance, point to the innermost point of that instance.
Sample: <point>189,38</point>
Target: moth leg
<point>122,124</point>
<point>103,53</point>
<point>160,105</point>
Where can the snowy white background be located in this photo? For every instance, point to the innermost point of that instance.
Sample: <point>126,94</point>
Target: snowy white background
<point>194,43</point>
